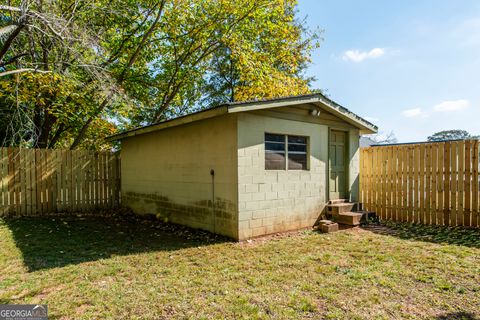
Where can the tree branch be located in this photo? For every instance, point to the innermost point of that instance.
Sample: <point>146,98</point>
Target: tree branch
<point>145,37</point>
<point>13,59</point>
<point>9,40</point>
<point>7,73</point>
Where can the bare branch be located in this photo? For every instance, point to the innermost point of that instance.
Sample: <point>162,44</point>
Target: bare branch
<point>10,8</point>
<point>7,73</point>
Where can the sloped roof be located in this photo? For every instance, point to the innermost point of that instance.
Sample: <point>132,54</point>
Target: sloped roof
<point>318,99</point>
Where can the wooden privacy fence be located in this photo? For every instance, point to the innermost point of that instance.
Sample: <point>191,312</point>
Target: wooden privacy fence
<point>428,183</point>
<point>39,181</point>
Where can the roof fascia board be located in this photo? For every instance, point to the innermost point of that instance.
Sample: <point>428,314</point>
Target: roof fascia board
<point>171,123</point>
<point>252,106</point>
<point>349,117</point>
<point>316,100</point>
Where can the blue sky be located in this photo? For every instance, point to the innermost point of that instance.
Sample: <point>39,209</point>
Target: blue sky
<point>411,66</point>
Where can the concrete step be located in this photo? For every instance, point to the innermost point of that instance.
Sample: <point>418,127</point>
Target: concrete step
<point>348,218</point>
<point>336,201</point>
<point>338,208</point>
<point>328,226</point>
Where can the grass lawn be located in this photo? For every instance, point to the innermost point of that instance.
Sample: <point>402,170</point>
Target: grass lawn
<point>120,268</point>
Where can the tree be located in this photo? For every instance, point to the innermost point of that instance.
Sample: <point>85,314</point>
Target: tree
<point>125,63</point>
<point>263,60</point>
<point>451,135</point>
<point>49,71</point>
<point>381,138</point>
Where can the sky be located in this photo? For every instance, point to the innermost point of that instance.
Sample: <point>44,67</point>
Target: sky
<point>410,66</point>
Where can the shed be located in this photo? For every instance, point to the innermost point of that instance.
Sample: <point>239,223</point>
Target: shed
<point>245,169</point>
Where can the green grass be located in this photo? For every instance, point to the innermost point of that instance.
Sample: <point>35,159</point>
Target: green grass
<point>122,268</point>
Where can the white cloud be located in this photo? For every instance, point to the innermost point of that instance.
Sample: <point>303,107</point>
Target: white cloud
<point>359,56</point>
<point>442,107</point>
<point>414,113</point>
<point>448,106</point>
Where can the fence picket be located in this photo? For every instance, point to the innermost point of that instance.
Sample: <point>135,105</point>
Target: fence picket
<point>44,181</point>
<point>11,182</point>
<point>48,180</point>
<point>440,183</point>
<point>432,183</point>
<point>394,175</point>
<point>446,185</point>
<point>416,183</point>
<point>21,182</point>
<point>428,181</point>
<point>461,185</point>
<point>54,175</point>
<point>421,202</point>
<point>454,183</point>
<point>475,217</point>
<point>382,163</point>
<point>404,185</point>
<point>467,214</point>
<point>39,181</point>
<point>3,181</point>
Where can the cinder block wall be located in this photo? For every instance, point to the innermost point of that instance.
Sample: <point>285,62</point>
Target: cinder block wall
<point>167,173</point>
<point>272,201</point>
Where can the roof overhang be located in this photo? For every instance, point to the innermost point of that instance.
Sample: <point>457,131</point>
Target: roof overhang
<point>316,99</point>
<point>201,115</point>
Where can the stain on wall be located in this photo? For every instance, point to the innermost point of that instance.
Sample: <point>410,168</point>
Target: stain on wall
<point>218,216</point>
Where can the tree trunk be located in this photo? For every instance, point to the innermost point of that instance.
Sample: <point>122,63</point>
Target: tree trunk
<point>46,129</point>
<point>9,41</point>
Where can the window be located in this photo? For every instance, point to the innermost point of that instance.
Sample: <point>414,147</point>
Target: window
<point>282,151</point>
<point>274,151</point>
<point>297,153</point>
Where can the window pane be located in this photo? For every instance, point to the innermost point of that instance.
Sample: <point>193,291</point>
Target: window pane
<point>297,161</point>
<point>275,160</point>
<point>297,147</point>
<point>297,139</point>
<point>275,152</point>
<point>274,137</point>
<point>274,146</point>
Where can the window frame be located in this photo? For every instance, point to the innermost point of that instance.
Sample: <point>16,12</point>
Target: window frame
<point>286,152</point>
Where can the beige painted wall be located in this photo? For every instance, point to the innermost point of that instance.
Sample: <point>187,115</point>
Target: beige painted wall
<point>167,172</point>
<point>272,201</point>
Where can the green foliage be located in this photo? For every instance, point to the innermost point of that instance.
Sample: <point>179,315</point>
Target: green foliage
<point>263,59</point>
<point>59,103</point>
<point>109,65</point>
<point>451,135</point>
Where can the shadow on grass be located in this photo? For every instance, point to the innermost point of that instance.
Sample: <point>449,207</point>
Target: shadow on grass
<point>457,315</point>
<point>59,241</point>
<point>469,237</point>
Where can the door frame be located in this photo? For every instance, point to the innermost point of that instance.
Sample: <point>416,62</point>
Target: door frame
<point>346,162</point>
